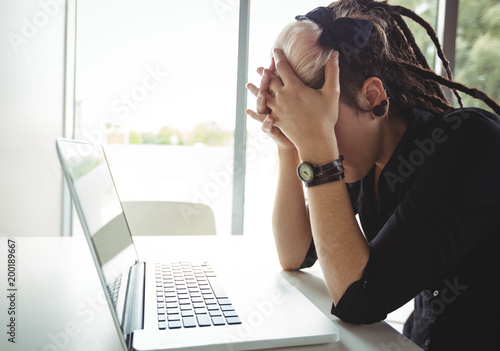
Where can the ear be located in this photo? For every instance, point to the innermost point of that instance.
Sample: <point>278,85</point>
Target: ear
<point>372,94</point>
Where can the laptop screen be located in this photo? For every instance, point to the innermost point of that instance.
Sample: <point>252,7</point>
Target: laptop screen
<point>98,206</point>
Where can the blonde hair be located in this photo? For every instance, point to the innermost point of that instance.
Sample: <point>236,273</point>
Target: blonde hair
<point>299,41</point>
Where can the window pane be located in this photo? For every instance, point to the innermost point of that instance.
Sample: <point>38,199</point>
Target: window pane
<point>477,56</point>
<point>428,10</point>
<point>267,19</point>
<point>156,84</point>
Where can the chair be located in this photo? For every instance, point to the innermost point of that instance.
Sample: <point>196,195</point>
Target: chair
<point>169,218</point>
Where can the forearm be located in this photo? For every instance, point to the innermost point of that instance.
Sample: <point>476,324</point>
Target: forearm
<point>291,226</point>
<point>342,249</point>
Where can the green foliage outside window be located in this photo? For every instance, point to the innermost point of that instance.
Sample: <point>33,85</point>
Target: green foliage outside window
<point>477,56</point>
<point>207,133</point>
<point>427,9</point>
<point>477,48</point>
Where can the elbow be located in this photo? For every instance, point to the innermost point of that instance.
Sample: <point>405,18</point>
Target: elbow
<point>290,268</point>
<point>290,265</point>
<point>363,308</point>
<point>295,263</point>
<point>360,318</point>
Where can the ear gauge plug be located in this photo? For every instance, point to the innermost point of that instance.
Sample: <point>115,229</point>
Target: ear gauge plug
<point>380,110</point>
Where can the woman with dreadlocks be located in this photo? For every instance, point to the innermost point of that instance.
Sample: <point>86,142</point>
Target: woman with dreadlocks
<point>361,121</point>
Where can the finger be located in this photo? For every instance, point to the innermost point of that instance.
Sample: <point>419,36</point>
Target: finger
<point>275,84</point>
<point>262,102</point>
<point>266,77</point>
<point>332,85</point>
<point>267,124</point>
<point>252,88</point>
<point>283,67</point>
<point>269,99</point>
<point>272,67</point>
<point>276,134</point>
<point>268,127</point>
<point>257,116</point>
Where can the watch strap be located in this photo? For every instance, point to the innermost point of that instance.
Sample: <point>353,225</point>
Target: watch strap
<point>334,166</point>
<point>326,178</point>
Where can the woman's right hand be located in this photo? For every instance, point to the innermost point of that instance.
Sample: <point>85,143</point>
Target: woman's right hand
<point>263,113</point>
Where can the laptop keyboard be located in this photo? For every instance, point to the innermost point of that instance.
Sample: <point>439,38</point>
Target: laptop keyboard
<point>114,288</point>
<point>190,295</point>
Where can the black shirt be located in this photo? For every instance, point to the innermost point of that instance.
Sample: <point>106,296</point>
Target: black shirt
<point>435,235</point>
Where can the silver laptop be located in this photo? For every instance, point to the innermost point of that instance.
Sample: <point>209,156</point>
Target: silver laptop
<point>179,305</point>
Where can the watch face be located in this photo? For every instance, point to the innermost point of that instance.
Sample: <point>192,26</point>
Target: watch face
<point>305,172</point>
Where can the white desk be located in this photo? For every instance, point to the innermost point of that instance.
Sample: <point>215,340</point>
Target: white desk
<point>60,305</point>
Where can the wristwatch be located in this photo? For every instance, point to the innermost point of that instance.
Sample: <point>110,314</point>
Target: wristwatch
<point>312,175</point>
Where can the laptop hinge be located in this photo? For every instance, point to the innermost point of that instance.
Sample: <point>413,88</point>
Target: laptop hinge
<point>133,316</point>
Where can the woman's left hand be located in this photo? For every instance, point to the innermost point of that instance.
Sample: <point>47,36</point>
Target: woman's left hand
<point>305,115</point>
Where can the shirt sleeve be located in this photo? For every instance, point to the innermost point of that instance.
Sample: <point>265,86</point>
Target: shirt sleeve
<point>311,257</point>
<point>452,204</point>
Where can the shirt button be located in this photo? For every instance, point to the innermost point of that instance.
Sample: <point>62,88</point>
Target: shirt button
<point>427,342</point>
<point>436,293</point>
<point>365,284</point>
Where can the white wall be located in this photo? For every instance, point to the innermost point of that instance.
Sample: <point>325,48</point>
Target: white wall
<point>31,115</point>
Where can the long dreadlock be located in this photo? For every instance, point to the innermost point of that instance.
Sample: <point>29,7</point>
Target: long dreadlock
<point>395,57</point>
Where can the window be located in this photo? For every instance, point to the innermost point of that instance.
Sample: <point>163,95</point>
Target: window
<point>267,19</point>
<point>155,82</point>
<point>477,44</point>
<point>160,93</point>
<point>428,10</point>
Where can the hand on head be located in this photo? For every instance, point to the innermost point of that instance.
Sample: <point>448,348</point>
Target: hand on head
<point>304,116</point>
